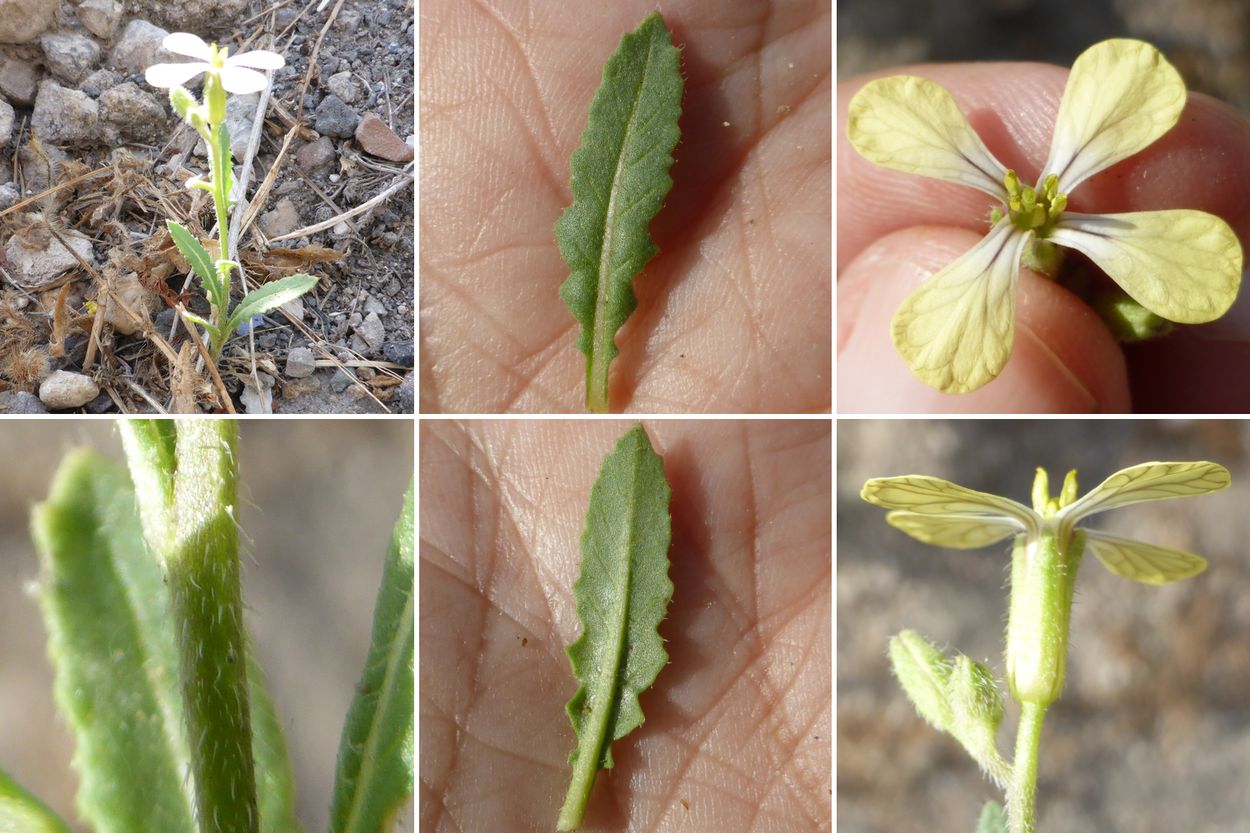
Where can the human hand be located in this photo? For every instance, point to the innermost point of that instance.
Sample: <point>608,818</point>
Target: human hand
<point>737,729</point>
<point>733,313</point>
<point>895,230</point>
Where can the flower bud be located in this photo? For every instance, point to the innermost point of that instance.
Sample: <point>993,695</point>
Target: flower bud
<point>923,671</point>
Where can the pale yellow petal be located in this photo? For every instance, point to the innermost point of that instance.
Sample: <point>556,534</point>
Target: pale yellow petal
<point>914,125</point>
<point>1183,265</point>
<point>1142,562</point>
<point>920,494</point>
<point>959,532</point>
<point>1144,482</point>
<point>955,330</point>
<point>1122,95</point>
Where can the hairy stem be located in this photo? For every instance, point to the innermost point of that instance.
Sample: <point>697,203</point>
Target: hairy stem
<point>1022,791</point>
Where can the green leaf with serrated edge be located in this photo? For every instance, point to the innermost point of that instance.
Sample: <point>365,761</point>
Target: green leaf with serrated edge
<point>112,647</point>
<point>21,812</point>
<point>91,493</point>
<point>619,178</point>
<point>198,257</point>
<point>269,297</point>
<point>993,819</point>
<point>622,595</point>
<point>374,773</point>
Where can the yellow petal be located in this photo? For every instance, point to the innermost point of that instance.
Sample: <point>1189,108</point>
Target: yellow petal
<point>912,124</point>
<point>1146,563</point>
<point>1183,265</point>
<point>1121,96</point>
<point>919,494</point>
<point>955,330</point>
<point>1147,481</point>
<point>959,532</point>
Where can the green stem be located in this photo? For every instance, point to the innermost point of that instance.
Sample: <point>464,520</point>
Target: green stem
<point>1022,791</point>
<point>221,203</point>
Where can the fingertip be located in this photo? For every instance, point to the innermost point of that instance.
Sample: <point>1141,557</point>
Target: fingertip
<point>1063,359</point>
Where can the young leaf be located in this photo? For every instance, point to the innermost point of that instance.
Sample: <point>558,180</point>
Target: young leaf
<point>993,819</point>
<point>21,812</point>
<point>269,297</point>
<point>622,595</point>
<point>619,177</point>
<point>200,261</point>
<point>375,768</point>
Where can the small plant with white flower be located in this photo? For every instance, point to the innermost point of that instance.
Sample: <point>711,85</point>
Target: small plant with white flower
<point>955,331</point>
<point>223,73</point>
<point>960,696</point>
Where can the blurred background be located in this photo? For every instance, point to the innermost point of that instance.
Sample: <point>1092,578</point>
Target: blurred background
<point>1207,40</point>
<point>1152,732</point>
<point>319,500</point>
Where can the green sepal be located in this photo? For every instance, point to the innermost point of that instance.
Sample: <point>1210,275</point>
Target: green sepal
<point>976,714</point>
<point>181,99</point>
<point>1127,319</point>
<point>269,297</point>
<point>924,672</point>
<point>22,812</point>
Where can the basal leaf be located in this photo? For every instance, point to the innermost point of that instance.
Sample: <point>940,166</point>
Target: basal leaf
<point>622,596</point>
<point>112,643</point>
<point>269,297</point>
<point>619,178</point>
<point>374,774</point>
<point>21,812</point>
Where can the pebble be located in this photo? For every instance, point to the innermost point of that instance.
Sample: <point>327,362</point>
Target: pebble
<point>374,305</point>
<point>340,229</point>
<point>343,85</point>
<point>102,404</point>
<point>136,297</point>
<point>400,352</point>
<point>315,157</point>
<point>139,47</point>
<point>254,401</point>
<point>21,21</point>
<point>199,16</point>
<point>335,118</point>
<point>6,120</point>
<point>64,116</point>
<point>33,267</point>
<point>341,381</point>
<point>282,219</point>
<point>69,55</point>
<point>300,363</point>
<point>240,117</point>
<point>20,402</point>
<point>19,81</point>
<point>8,195</point>
<point>100,17</point>
<point>97,82</point>
<point>405,394</point>
<point>379,140</point>
<point>64,390</point>
<point>372,331</point>
<point>294,308</point>
<point>133,113</point>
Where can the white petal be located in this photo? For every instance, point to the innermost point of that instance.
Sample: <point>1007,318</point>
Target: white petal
<point>184,43</point>
<point>1146,481</point>
<point>955,330</point>
<point>933,497</point>
<point>1122,95</point>
<point>1142,562</point>
<point>171,75</point>
<point>242,81</point>
<point>959,532</point>
<point>1183,265</point>
<point>257,59</point>
<point>914,125</point>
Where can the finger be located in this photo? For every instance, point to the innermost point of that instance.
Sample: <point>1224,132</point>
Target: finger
<point>1202,163</point>
<point>1063,360</point>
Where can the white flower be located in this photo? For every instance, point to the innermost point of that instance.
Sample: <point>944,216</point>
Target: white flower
<point>237,73</point>
<point>955,331</point>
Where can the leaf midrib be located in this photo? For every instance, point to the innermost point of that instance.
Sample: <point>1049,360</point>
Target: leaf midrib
<point>601,343</point>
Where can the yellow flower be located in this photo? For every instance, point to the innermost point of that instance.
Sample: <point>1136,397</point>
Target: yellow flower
<point>955,331</point>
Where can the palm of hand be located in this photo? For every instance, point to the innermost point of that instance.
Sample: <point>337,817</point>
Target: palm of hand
<point>737,725</point>
<point>733,313</point>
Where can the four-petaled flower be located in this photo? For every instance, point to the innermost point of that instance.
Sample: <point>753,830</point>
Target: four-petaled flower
<point>955,331</point>
<point>237,73</point>
<point>1047,548</point>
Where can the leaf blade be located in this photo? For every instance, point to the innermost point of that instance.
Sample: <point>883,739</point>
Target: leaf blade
<point>22,812</point>
<point>268,297</point>
<point>619,178</point>
<point>374,773</point>
<point>622,595</point>
<point>199,259</point>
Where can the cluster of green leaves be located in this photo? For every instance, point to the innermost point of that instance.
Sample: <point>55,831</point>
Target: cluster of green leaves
<point>619,178</point>
<point>120,638</point>
<point>622,595</point>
